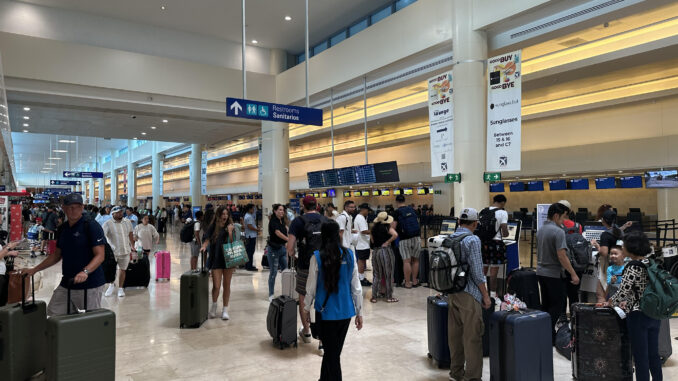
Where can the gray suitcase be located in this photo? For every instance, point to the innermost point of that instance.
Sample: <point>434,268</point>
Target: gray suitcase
<point>23,335</point>
<point>194,297</point>
<point>289,282</point>
<point>665,349</point>
<point>281,321</point>
<point>81,345</point>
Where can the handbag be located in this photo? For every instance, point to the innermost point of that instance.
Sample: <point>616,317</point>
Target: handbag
<point>315,326</point>
<point>234,254</point>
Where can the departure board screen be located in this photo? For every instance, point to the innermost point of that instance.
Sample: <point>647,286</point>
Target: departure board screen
<point>386,172</point>
<point>346,176</point>
<point>330,178</point>
<point>315,179</point>
<point>364,174</point>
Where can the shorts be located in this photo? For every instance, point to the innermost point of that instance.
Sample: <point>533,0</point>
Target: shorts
<point>123,261</point>
<point>494,253</point>
<point>58,303</point>
<point>362,254</point>
<point>410,248</point>
<point>195,249</point>
<point>302,277</point>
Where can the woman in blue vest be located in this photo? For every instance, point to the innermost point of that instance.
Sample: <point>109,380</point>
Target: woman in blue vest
<point>334,290</point>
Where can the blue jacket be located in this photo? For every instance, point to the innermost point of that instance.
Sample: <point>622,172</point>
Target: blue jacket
<point>340,304</point>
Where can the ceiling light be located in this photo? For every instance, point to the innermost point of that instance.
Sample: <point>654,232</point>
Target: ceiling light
<point>54,158</point>
<point>25,117</point>
<point>25,130</point>
<point>143,133</point>
<point>59,150</point>
<point>255,41</point>
<point>25,124</point>
<point>164,120</point>
<point>27,109</point>
<point>153,127</point>
<point>163,7</point>
<point>136,138</point>
<point>288,18</point>
<point>66,141</point>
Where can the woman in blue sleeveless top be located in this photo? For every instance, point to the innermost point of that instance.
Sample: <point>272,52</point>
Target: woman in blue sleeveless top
<point>333,288</point>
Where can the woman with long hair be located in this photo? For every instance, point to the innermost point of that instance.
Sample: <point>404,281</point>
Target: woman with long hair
<point>333,289</point>
<point>383,260</point>
<point>277,241</point>
<point>219,233</point>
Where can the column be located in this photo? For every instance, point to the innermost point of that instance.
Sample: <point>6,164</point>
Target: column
<point>443,198</point>
<point>156,173</point>
<point>667,204</point>
<point>338,201</point>
<point>102,193</point>
<point>114,180</point>
<point>91,191</point>
<point>194,164</point>
<point>131,177</point>
<point>275,160</point>
<point>469,98</point>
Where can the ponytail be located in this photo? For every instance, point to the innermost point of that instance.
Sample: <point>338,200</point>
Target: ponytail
<point>331,255</point>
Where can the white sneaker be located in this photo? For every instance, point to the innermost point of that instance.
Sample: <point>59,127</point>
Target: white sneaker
<point>213,311</point>
<point>121,293</point>
<point>109,290</point>
<point>224,314</point>
<point>270,298</point>
<point>305,337</point>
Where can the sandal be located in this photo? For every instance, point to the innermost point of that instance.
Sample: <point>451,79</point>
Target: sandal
<point>373,300</point>
<point>392,300</point>
<point>408,287</point>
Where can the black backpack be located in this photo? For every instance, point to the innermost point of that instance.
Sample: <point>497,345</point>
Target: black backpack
<point>312,239</point>
<point>578,249</point>
<point>487,228</point>
<point>408,223</point>
<point>186,235</point>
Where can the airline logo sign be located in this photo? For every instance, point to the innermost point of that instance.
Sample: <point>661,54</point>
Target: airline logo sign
<point>504,100</point>
<point>441,124</point>
<point>249,109</point>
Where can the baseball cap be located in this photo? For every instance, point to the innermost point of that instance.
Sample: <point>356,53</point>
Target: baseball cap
<point>72,198</point>
<point>566,203</point>
<point>116,209</point>
<point>309,200</point>
<point>469,214</point>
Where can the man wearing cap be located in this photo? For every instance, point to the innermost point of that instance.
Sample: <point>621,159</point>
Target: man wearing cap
<point>568,223</point>
<point>362,246</point>
<point>465,315</point>
<point>80,248</point>
<point>120,235</point>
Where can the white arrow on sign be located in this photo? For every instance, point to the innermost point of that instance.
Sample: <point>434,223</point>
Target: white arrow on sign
<point>236,107</point>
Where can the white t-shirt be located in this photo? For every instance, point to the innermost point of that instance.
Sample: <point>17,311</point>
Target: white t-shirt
<point>196,228</point>
<point>502,218</point>
<point>345,222</point>
<point>360,224</point>
<point>117,234</point>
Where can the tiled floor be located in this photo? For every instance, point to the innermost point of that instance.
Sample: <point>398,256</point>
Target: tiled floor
<point>391,346</point>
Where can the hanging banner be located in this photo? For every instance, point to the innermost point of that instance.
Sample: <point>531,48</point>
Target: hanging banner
<point>503,113</point>
<point>203,173</point>
<point>441,122</point>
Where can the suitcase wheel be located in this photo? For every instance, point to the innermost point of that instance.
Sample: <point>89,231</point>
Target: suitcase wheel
<point>429,355</point>
<point>295,345</point>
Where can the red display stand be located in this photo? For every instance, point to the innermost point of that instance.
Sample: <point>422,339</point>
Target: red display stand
<point>16,230</point>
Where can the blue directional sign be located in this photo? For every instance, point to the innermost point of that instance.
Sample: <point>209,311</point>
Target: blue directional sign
<point>64,182</point>
<point>243,108</point>
<point>84,175</point>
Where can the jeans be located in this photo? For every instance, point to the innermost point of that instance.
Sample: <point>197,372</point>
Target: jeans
<point>644,332</point>
<point>250,246</point>
<point>553,299</point>
<point>277,259</point>
<point>332,334</point>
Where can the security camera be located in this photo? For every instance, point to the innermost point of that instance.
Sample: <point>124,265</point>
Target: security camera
<point>134,116</point>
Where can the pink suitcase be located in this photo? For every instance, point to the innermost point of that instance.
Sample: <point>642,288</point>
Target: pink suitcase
<point>162,265</point>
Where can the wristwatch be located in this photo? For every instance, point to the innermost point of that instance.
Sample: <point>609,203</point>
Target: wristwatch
<point>85,271</point>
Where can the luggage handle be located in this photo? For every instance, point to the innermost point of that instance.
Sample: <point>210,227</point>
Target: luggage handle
<point>27,307</point>
<point>70,284</point>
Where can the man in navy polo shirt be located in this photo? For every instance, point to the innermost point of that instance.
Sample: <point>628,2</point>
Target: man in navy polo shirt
<point>81,247</point>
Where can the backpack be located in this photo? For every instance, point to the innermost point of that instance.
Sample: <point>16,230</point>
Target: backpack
<point>312,239</point>
<point>447,272</point>
<point>660,299</point>
<point>408,223</point>
<point>186,235</point>
<point>487,229</point>
<point>578,249</point>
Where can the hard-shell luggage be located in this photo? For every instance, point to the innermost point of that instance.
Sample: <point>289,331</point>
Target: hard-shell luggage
<point>424,267</point>
<point>163,265</point>
<point>281,321</point>
<point>23,336</point>
<point>436,322</point>
<point>398,274</point>
<point>289,282</point>
<point>17,289</point>
<point>138,273</point>
<point>665,349</point>
<point>524,284</point>
<point>81,345</point>
<point>520,346</point>
<point>487,316</point>
<point>602,345</point>
<point>50,247</point>
<point>194,297</point>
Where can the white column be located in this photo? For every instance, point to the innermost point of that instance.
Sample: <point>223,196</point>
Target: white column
<point>156,172</point>
<point>667,203</point>
<point>469,98</point>
<point>91,192</point>
<point>194,174</point>
<point>278,61</point>
<point>131,177</point>
<point>114,180</point>
<point>275,160</point>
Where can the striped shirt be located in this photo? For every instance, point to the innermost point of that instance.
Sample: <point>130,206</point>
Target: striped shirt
<point>117,234</point>
<point>470,253</point>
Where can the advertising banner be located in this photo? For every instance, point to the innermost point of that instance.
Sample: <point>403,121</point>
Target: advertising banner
<point>503,112</point>
<point>441,122</point>
<point>203,173</point>
<point>542,214</point>
<point>4,212</point>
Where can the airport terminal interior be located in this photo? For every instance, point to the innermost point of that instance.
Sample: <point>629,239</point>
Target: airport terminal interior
<point>168,108</point>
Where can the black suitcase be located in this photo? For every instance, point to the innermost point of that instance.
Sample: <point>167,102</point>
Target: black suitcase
<point>281,321</point>
<point>436,322</point>
<point>520,346</point>
<point>398,274</point>
<point>138,273</point>
<point>602,346</point>
<point>487,316</point>
<point>524,284</point>
<point>194,297</point>
<point>23,339</point>
<point>665,349</point>
<point>81,346</point>
<point>424,266</point>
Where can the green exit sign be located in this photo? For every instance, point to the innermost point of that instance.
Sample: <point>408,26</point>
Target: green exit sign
<point>491,176</point>
<point>453,178</point>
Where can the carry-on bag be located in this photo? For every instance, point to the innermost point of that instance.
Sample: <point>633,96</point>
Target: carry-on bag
<point>81,346</point>
<point>163,265</point>
<point>194,297</point>
<point>398,274</point>
<point>436,322</point>
<point>23,336</point>
<point>281,321</point>
<point>524,284</point>
<point>424,267</point>
<point>665,349</point>
<point>138,273</point>
<point>520,346</point>
<point>602,345</point>
<point>289,281</point>
<point>17,289</point>
<point>487,316</point>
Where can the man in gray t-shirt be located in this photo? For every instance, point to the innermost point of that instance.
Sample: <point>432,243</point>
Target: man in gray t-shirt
<point>552,259</point>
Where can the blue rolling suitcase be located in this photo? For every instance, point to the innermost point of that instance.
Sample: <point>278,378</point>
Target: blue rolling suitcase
<point>436,319</point>
<point>520,346</point>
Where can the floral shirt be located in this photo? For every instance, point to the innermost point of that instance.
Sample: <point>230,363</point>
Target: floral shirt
<point>634,281</point>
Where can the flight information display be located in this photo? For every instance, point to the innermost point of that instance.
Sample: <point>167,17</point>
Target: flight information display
<point>330,178</point>
<point>346,176</point>
<point>386,172</point>
<point>364,174</point>
<point>315,179</point>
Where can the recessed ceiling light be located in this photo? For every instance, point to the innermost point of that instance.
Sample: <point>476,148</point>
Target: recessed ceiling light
<point>621,171</point>
<point>25,124</point>
<point>255,41</point>
<point>25,130</point>
<point>163,7</point>
<point>164,120</point>
<point>66,141</point>
<point>26,117</point>
<point>59,150</point>
<point>136,138</point>
<point>27,109</point>
<point>153,127</point>
<point>288,18</point>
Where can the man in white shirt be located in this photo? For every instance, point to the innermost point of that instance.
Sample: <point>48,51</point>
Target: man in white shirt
<point>494,249</point>
<point>362,247</point>
<point>345,221</point>
<point>120,236</point>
